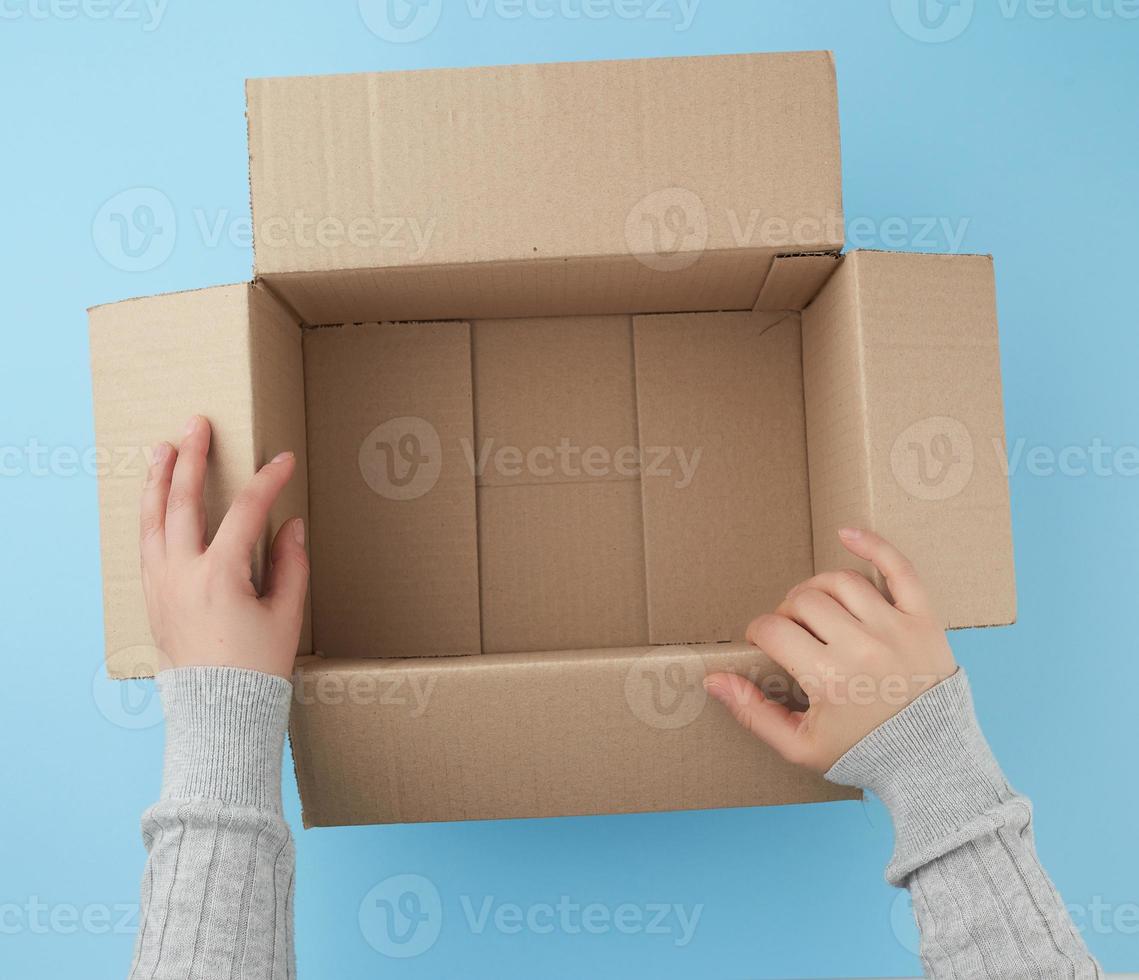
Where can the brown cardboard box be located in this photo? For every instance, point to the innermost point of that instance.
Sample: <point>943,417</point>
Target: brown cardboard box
<point>641,392</point>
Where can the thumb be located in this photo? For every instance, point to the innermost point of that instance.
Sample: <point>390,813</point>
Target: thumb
<point>287,581</point>
<point>768,721</point>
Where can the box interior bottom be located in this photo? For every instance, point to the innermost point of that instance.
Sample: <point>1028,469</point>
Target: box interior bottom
<point>529,485</point>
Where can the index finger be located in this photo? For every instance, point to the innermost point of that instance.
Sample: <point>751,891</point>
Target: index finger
<point>901,577</point>
<point>790,646</point>
<point>242,525</point>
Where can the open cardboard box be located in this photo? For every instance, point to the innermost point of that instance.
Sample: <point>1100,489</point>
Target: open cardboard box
<point>579,384</point>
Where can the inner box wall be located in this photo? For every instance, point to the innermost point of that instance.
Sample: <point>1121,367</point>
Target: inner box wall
<point>580,482</point>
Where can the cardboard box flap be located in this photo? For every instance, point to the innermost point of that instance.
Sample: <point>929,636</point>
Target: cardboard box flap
<point>553,734</point>
<point>905,423</point>
<point>231,353</point>
<point>538,288</point>
<point>646,173</point>
<point>795,280</point>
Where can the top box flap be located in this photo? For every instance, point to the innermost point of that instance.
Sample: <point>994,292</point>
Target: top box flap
<point>667,159</point>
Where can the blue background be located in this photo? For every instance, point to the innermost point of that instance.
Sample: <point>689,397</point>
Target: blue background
<point>1022,127</point>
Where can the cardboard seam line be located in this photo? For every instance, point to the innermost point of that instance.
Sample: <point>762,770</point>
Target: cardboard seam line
<point>640,477</point>
<point>758,251</point>
<point>259,283</point>
<point>806,441</point>
<point>787,315</point>
<point>308,497</point>
<point>533,658</point>
<point>864,406</point>
<point>557,482</point>
<point>644,512</point>
<point>472,325</point>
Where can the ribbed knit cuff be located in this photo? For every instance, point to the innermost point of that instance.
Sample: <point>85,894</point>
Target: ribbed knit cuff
<point>932,767</point>
<point>225,732</point>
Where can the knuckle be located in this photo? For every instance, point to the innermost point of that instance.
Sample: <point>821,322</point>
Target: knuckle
<point>149,526</point>
<point>219,572</point>
<point>805,599</point>
<point>248,498</point>
<point>179,499</point>
<point>904,568</point>
<point>848,576</point>
<point>762,627</point>
<point>301,561</point>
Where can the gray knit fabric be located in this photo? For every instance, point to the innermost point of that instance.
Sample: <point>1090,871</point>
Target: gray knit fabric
<point>217,893</point>
<point>964,845</point>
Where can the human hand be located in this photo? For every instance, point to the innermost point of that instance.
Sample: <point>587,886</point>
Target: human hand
<point>203,608</point>
<point>858,658</point>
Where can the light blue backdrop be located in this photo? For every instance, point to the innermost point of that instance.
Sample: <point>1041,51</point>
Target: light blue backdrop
<point>1012,126</point>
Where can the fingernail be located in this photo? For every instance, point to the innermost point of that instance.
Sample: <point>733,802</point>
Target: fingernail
<point>157,456</point>
<point>299,531</point>
<point>281,457</point>
<point>716,690</point>
<point>191,425</point>
<point>849,533</point>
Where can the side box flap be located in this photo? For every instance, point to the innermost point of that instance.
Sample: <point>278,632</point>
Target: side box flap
<point>905,423</point>
<point>231,353</point>
<point>544,735</point>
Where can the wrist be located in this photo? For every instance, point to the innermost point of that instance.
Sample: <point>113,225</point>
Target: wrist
<point>933,769</point>
<point>225,733</point>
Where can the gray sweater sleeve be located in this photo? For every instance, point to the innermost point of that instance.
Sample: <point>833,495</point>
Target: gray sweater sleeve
<point>217,891</point>
<point>964,845</point>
